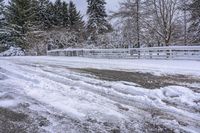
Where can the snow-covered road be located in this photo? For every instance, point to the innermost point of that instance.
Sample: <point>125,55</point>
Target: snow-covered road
<point>70,100</point>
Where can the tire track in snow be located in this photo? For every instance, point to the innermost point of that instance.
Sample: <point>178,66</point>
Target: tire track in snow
<point>107,92</point>
<point>51,80</point>
<point>113,95</point>
<point>137,104</point>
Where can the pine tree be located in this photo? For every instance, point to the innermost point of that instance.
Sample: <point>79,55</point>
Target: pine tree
<point>75,19</point>
<point>58,14</point>
<point>51,13</point>
<point>76,23</point>
<point>97,23</point>
<point>20,16</point>
<point>194,7</point>
<point>1,13</point>
<point>65,13</point>
<point>3,32</point>
<point>42,15</point>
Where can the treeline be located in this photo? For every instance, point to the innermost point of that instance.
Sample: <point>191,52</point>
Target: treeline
<point>38,25</point>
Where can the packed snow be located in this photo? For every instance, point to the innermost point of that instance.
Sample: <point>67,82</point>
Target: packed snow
<point>54,86</point>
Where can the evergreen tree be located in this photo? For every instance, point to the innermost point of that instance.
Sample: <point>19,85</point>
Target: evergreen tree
<point>194,7</point>
<point>65,13</point>
<point>1,13</point>
<point>97,23</point>
<point>20,16</point>
<point>51,13</point>
<point>3,32</point>
<point>75,19</point>
<point>42,14</point>
<point>57,13</point>
<point>76,24</point>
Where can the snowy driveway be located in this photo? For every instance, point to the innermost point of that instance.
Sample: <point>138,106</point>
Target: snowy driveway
<point>60,94</point>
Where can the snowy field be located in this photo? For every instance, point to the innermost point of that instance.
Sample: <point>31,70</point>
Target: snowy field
<point>81,95</point>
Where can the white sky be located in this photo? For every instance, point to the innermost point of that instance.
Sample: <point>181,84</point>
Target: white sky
<point>82,5</point>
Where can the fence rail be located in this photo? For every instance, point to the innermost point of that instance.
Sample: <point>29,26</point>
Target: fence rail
<point>173,52</point>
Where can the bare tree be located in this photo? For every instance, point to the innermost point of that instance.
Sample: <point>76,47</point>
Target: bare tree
<point>163,18</point>
<point>157,22</point>
<point>194,29</point>
<point>129,15</point>
<point>183,6</point>
<point>138,21</point>
<point>185,21</point>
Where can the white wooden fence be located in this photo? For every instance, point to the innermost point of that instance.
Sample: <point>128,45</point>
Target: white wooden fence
<point>173,52</point>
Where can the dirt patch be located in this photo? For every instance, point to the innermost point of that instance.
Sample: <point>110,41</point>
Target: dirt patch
<point>156,128</point>
<point>11,115</point>
<point>14,122</point>
<point>19,118</point>
<point>146,80</point>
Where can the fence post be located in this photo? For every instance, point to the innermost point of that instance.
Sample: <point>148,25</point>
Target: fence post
<point>171,53</point>
<point>139,54</point>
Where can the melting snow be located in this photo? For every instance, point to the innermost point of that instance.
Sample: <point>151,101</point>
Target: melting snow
<point>49,80</point>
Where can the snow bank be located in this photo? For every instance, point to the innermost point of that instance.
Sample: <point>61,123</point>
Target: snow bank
<point>12,51</point>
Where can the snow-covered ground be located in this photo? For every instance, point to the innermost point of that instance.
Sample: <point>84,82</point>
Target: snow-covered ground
<point>57,95</point>
<point>12,51</point>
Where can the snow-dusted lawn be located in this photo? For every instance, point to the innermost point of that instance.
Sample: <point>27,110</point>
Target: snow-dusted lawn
<point>72,101</point>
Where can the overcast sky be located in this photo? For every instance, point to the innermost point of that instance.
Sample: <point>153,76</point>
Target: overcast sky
<point>82,5</point>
